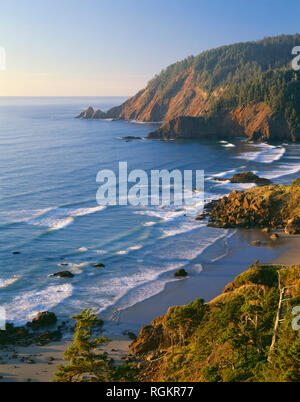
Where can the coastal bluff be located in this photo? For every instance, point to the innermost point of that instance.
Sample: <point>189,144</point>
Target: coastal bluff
<point>241,90</point>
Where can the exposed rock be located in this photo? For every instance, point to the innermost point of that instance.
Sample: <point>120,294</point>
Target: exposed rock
<point>130,335</point>
<point>293,226</point>
<point>63,274</point>
<point>256,243</point>
<point>228,124</point>
<point>90,113</point>
<point>201,217</point>
<point>98,265</point>
<point>266,230</point>
<point>153,337</point>
<point>274,236</point>
<point>98,114</point>
<point>43,319</point>
<point>86,114</point>
<point>181,273</point>
<point>269,206</point>
<point>187,127</point>
<point>247,177</point>
<point>131,137</point>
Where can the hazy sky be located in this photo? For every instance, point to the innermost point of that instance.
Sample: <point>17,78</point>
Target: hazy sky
<point>113,47</point>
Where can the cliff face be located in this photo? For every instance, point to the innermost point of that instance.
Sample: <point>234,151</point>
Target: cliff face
<point>255,121</point>
<point>243,89</point>
<point>184,98</point>
<point>151,105</point>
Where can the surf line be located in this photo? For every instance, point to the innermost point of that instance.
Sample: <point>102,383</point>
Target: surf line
<point>166,187</point>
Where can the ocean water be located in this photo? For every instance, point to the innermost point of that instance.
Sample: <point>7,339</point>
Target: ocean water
<point>48,210</point>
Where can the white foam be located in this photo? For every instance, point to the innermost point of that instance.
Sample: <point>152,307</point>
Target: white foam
<point>9,281</point>
<point>101,252</point>
<point>196,268</point>
<point>268,154</point>
<point>186,225</point>
<point>282,170</point>
<point>228,145</point>
<point>75,267</point>
<point>226,173</point>
<point>131,248</point>
<point>150,223</point>
<point>59,218</point>
<point>219,257</point>
<point>82,249</point>
<point>27,305</point>
<point>235,186</point>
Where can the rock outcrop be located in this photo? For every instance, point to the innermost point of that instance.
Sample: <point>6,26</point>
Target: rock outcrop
<point>43,319</point>
<point>90,113</point>
<point>153,337</point>
<point>246,177</point>
<point>293,226</point>
<point>275,206</point>
<point>63,274</point>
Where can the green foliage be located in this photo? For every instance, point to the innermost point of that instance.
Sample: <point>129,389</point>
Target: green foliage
<point>85,362</point>
<point>245,72</point>
<point>259,274</point>
<point>82,355</point>
<point>185,319</point>
<point>231,337</point>
<point>285,363</point>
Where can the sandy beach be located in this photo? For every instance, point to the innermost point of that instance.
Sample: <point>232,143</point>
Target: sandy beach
<point>15,366</point>
<point>220,264</point>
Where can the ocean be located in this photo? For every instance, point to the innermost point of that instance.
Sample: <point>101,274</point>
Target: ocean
<point>49,215</point>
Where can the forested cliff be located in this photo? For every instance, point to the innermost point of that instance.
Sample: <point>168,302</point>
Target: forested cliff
<point>245,89</point>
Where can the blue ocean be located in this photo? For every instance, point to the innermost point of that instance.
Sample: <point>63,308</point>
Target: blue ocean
<point>49,215</point>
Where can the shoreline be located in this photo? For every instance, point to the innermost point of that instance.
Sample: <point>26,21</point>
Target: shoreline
<point>221,263</point>
<point>215,275</point>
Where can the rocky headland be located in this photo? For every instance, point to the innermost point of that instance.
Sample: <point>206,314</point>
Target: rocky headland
<point>273,206</point>
<point>242,90</point>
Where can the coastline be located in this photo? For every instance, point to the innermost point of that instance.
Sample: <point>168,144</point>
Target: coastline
<point>216,273</point>
<point>221,263</point>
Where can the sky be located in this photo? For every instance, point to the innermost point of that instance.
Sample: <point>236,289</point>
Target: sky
<point>114,47</point>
